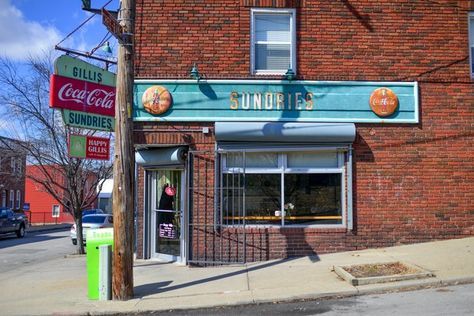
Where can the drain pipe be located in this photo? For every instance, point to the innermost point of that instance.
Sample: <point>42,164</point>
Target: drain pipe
<point>350,220</point>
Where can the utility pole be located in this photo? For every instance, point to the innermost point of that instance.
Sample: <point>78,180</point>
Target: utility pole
<point>124,163</point>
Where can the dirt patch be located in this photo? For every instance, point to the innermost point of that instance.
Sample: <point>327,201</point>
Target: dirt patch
<point>379,269</point>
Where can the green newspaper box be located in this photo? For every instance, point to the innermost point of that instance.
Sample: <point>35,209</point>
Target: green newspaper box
<point>96,238</point>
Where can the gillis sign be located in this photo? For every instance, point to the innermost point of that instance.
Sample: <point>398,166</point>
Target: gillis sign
<point>89,147</point>
<point>84,96</point>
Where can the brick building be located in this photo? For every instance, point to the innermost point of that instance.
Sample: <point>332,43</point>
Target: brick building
<point>44,208</point>
<point>12,173</point>
<point>269,129</point>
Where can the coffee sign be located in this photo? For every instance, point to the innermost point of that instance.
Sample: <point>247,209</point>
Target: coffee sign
<point>77,95</point>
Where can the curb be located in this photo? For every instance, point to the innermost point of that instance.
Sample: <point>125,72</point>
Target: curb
<point>405,286</point>
<point>34,229</point>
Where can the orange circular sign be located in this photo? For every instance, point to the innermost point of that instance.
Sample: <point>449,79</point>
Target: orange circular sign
<point>383,102</point>
<point>156,100</point>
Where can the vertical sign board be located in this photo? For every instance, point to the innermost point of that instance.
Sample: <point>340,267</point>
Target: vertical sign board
<point>89,147</point>
<point>80,89</point>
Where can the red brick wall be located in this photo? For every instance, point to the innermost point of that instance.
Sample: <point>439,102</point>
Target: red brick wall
<point>412,182</point>
<point>41,202</point>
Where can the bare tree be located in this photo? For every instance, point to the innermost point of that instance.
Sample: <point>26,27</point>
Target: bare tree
<point>24,95</point>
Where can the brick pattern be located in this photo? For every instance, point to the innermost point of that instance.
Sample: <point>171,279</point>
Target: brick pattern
<point>271,3</point>
<point>412,183</point>
<point>12,179</point>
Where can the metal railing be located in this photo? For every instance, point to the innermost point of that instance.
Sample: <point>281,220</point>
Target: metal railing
<point>47,218</point>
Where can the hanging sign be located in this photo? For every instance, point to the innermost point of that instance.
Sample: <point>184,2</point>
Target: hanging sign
<point>89,147</point>
<point>112,25</point>
<point>84,96</point>
<point>75,68</point>
<point>88,120</point>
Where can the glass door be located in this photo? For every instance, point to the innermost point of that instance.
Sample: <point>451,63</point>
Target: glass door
<point>167,219</point>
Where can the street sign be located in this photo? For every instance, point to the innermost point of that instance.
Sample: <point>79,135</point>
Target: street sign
<point>89,147</point>
<point>112,24</point>
<point>88,120</point>
<point>75,68</point>
<point>84,96</point>
<point>26,206</point>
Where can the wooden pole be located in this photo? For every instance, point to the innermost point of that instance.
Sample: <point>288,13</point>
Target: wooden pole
<point>124,164</point>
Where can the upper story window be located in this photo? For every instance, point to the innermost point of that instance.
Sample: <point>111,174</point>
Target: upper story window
<point>19,166</point>
<point>471,42</point>
<point>13,164</point>
<point>4,198</point>
<point>18,199</point>
<point>12,199</point>
<point>273,41</point>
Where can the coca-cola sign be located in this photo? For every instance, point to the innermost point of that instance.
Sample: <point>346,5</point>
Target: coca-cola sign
<point>77,95</point>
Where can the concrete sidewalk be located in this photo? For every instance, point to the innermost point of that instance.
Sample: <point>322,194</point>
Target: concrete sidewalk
<point>60,287</point>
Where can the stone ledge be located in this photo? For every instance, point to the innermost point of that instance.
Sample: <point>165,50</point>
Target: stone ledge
<point>355,281</point>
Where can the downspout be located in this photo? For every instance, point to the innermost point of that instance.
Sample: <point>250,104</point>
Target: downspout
<point>350,221</point>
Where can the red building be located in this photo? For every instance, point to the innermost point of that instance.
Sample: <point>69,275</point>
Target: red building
<point>304,127</point>
<point>44,208</point>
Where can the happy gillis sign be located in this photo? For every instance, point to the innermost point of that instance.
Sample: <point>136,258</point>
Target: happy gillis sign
<point>89,147</point>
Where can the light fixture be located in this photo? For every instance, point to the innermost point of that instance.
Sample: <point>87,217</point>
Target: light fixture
<point>194,73</point>
<point>290,74</point>
<point>106,48</point>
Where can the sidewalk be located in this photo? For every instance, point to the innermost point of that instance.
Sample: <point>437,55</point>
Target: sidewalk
<point>61,287</point>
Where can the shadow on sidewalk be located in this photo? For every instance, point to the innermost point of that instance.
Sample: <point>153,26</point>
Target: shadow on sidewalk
<point>162,287</point>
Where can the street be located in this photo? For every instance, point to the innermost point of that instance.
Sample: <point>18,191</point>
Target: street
<point>453,300</point>
<point>37,263</point>
<point>35,247</point>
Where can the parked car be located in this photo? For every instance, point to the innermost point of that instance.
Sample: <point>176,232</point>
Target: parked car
<point>92,211</point>
<point>92,221</point>
<point>11,222</point>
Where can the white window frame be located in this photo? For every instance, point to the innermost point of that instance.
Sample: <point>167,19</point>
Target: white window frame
<point>53,210</point>
<point>12,198</point>
<point>4,198</point>
<point>13,164</point>
<point>470,23</point>
<point>19,165</point>
<point>255,12</point>
<point>18,199</point>
<point>282,169</point>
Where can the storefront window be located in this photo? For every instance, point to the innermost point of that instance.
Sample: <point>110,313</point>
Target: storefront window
<point>294,188</point>
<point>312,199</point>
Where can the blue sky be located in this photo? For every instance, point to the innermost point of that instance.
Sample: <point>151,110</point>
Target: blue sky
<point>30,27</point>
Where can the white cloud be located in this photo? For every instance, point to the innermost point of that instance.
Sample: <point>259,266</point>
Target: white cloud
<point>20,38</point>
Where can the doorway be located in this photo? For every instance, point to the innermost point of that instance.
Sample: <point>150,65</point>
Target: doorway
<point>167,215</point>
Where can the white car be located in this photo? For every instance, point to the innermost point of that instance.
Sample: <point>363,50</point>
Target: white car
<point>92,221</point>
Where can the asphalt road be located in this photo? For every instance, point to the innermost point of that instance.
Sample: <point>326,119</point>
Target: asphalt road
<point>35,247</point>
<point>453,300</point>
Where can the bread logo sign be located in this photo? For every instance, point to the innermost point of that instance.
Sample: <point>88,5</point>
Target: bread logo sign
<point>156,100</point>
<point>383,102</point>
